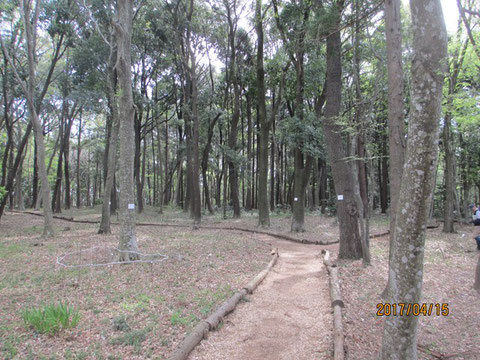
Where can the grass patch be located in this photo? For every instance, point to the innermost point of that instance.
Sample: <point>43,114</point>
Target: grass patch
<point>13,249</point>
<point>9,348</point>
<point>206,300</point>
<point>178,318</point>
<point>50,319</point>
<point>133,337</point>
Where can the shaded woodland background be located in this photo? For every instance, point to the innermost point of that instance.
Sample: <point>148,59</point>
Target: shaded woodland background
<point>74,60</point>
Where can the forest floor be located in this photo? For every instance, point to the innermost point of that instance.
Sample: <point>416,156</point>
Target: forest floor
<point>287,317</point>
<point>449,270</point>
<point>143,311</point>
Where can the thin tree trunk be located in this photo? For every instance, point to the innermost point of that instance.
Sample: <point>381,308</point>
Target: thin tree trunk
<point>30,34</point>
<point>448,141</point>
<point>79,150</point>
<point>196,196</point>
<point>112,153</point>
<point>57,191</point>
<point>248,200</point>
<point>19,177</point>
<point>66,155</point>
<point>232,138</point>
<point>123,30</point>
<point>263,208</point>
<point>408,245</point>
<point>137,161</point>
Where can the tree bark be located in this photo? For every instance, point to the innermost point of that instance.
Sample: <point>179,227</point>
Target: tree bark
<point>408,245</point>
<point>112,145</point>
<point>448,141</point>
<point>79,150</point>
<point>30,36</point>
<point>196,197</point>
<point>57,190</point>
<point>396,123</point>
<point>205,156</point>
<point>232,136</point>
<point>123,31</point>
<point>263,210</point>
<point>347,209</point>
<point>248,200</point>
<point>66,156</point>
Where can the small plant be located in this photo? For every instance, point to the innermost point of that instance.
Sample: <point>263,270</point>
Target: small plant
<point>178,319</point>
<point>133,337</point>
<point>120,323</point>
<point>50,319</point>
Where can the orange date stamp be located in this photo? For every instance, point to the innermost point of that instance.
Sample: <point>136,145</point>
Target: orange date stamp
<point>415,309</point>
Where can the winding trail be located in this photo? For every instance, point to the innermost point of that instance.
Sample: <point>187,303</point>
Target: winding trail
<point>287,317</point>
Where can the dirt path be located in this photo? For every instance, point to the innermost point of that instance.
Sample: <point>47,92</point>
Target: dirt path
<point>287,317</point>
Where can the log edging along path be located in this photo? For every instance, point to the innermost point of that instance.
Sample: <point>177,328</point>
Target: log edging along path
<point>207,227</point>
<point>337,305</point>
<point>212,322</point>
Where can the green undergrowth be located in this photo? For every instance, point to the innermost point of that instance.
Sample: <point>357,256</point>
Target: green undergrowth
<point>51,319</point>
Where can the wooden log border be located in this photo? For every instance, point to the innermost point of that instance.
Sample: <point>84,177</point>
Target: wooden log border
<point>337,305</point>
<point>212,322</point>
<point>208,227</point>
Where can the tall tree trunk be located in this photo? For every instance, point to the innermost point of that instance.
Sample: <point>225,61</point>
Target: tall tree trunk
<point>449,175</point>
<point>384,179</point>
<point>322,168</point>
<point>79,150</point>
<point>108,195</point>
<point>408,245</point>
<point>448,141</point>
<point>30,34</point>
<point>123,31</point>
<point>272,164</point>
<point>347,209</point>
<point>137,161</point>
<point>88,187</point>
<point>19,198</point>
<point>166,189</point>
<point>35,177</point>
<point>205,156</point>
<point>359,168</point>
<point>248,200</point>
<point>396,123</point>
<point>196,196</point>
<point>263,208</point>
<point>57,191</point>
<point>66,159</point>
<point>232,137</point>
<point>160,177</point>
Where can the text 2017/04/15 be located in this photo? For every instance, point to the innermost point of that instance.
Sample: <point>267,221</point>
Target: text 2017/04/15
<point>415,309</point>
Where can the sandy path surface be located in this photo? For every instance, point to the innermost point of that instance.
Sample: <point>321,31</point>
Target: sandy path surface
<point>287,317</point>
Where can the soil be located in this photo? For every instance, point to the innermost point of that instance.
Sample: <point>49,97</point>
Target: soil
<point>449,268</point>
<point>287,317</point>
